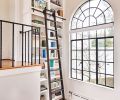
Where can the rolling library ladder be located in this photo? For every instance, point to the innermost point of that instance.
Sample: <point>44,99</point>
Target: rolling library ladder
<point>60,90</point>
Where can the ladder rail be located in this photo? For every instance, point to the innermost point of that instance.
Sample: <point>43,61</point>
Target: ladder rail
<point>48,59</point>
<point>61,77</point>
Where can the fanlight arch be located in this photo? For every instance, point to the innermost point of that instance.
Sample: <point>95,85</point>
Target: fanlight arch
<point>91,13</point>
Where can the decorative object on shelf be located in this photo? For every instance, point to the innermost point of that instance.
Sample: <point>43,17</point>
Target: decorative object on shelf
<point>43,87</point>
<point>42,75</point>
<point>52,34</point>
<point>40,4</point>
<point>43,43</point>
<point>57,93</point>
<point>51,63</point>
<point>42,97</point>
<point>52,53</point>
<point>44,55</point>
<point>53,44</point>
<point>57,2</point>
<point>43,65</point>
<point>60,13</point>
<point>38,22</point>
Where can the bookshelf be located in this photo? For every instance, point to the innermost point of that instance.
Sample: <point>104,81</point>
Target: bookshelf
<point>38,20</point>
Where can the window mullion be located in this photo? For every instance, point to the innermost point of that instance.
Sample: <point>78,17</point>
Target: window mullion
<point>96,61</point>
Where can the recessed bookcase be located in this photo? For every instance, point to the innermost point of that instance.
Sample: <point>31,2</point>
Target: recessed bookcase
<point>38,20</point>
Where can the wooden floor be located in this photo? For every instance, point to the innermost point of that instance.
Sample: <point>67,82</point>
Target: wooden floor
<point>7,64</point>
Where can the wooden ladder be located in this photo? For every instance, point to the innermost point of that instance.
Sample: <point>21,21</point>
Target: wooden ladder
<point>59,90</point>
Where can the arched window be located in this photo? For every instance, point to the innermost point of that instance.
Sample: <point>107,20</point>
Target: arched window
<point>92,43</point>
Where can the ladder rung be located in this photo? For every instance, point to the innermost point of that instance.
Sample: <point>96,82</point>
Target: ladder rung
<point>56,80</point>
<point>54,58</point>
<point>51,29</point>
<point>52,39</point>
<point>56,69</point>
<point>50,20</point>
<point>55,91</point>
<point>53,49</point>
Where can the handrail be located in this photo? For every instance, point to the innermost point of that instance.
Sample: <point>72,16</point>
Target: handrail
<point>26,43</point>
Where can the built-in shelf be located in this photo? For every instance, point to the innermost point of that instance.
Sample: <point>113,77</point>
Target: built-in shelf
<point>44,91</point>
<point>43,79</point>
<point>55,6</point>
<point>38,21</point>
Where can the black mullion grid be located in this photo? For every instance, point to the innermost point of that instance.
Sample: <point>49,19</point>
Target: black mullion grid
<point>94,38</point>
<point>82,55</point>
<point>94,72</point>
<point>96,7</point>
<point>89,41</point>
<point>71,58</point>
<point>113,62</point>
<point>105,55</point>
<point>96,58</point>
<point>76,55</point>
<point>104,62</point>
<point>103,12</point>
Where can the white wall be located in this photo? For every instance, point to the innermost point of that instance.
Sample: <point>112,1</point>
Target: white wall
<point>20,87</point>
<point>89,90</point>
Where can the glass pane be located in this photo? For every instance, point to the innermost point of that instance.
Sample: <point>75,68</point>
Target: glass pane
<point>73,64</point>
<point>85,44</point>
<point>92,21</point>
<point>97,13</point>
<point>77,14</point>
<point>101,19</point>
<point>101,55</point>
<point>93,55</point>
<point>94,3</point>
<point>101,44</point>
<point>86,22</point>
<point>93,66</point>
<point>93,44</point>
<point>109,68</point>
<point>103,5</point>
<point>93,77</point>
<point>93,34</point>
<point>86,13</point>
<point>79,64</point>
<point>86,76</point>
<point>78,45</point>
<point>109,56</point>
<point>73,73</point>
<point>85,55</point>
<point>109,32</point>
<point>101,33</point>
<point>92,11</point>
<point>86,65</point>
<point>73,36</point>
<point>101,67</point>
<point>85,35</point>
<point>74,23</point>
<point>79,55</point>
<point>79,75</point>
<point>109,15</point>
<point>85,6</point>
<point>74,55</point>
<point>79,24</point>
<point>101,79</point>
<point>109,43</point>
<point>110,81</point>
<point>73,45</point>
<point>79,35</point>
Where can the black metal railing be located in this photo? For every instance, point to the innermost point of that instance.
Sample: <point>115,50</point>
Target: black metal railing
<point>25,34</point>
